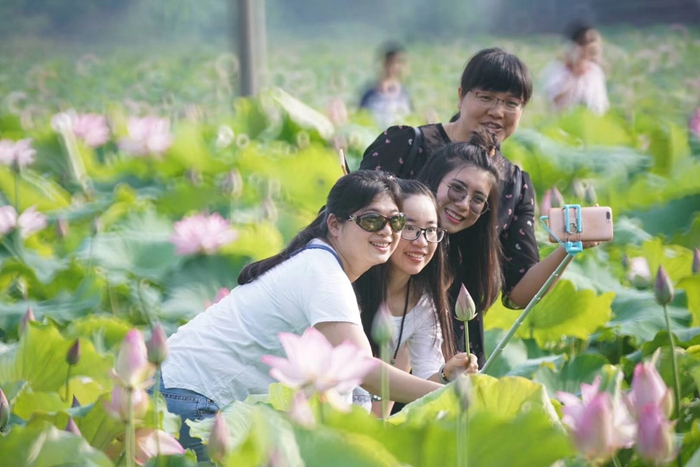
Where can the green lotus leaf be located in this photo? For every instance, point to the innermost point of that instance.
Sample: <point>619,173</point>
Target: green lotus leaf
<point>41,444</point>
<point>580,369</point>
<point>691,285</point>
<point>39,358</point>
<point>34,190</point>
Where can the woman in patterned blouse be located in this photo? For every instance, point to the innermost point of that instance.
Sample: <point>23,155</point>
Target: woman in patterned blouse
<point>494,89</point>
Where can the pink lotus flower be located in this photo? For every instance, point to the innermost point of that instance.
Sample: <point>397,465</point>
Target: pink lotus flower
<point>639,274</point>
<point>220,442</point>
<point>202,234</point>
<point>157,347</point>
<point>132,368</point>
<point>4,410</point>
<point>694,124</point>
<point>16,153</point>
<point>695,268</point>
<point>29,222</point>
<point>313,364</point>
<point>26,319</point>
<point>655,437</point>
<point>598,423</point>
<point>149,441</point>
<point>91,128</point>
<point>301,411</point>
<point>118,409</point>
<point>649,388</point>
<point>148,135</point>
<point>220,295</point>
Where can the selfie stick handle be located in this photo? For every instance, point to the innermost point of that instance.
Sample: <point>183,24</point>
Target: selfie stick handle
<point>572,248</point>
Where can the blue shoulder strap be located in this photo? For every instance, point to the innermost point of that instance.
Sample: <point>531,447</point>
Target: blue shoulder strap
<point>316,246</point>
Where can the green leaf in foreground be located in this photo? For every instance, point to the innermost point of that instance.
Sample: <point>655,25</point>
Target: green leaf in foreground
<point>41,444</point>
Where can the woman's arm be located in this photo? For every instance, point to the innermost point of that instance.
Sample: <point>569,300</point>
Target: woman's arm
<point>535,277</point>
<point>403,387</point>
<point>389,151</point>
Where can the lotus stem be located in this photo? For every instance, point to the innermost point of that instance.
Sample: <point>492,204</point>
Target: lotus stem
<point>130,441</point>
<point>674,368</point>
<point>384,377</point>
<point>616,461</point>
<point>68,382</point>
<point>156,415</point>
<point>518,322</point>
<point>463,439</point>
<point>466,338</point>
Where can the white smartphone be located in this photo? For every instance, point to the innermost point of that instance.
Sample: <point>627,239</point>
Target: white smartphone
<point>596,224</point>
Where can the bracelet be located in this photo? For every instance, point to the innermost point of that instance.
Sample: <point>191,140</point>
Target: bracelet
<point>441,375</point>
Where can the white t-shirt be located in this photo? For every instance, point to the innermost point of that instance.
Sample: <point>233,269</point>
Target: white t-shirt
<point>587,89</point>
<point>218,353</point>
<point>423,336</point>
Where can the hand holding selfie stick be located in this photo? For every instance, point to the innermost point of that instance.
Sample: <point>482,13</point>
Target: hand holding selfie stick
<point>573,226</point>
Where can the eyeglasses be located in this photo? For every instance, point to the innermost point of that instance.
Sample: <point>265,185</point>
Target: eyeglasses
<point>489,100</point>
<point>432,234</point>
<point>376,222</point>
<point>478,204</point>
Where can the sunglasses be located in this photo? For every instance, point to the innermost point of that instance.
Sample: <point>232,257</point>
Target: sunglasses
<point>376,222</point>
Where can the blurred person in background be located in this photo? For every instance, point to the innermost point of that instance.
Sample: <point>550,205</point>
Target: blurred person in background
<point>578,79</point>
<point>387,99</point>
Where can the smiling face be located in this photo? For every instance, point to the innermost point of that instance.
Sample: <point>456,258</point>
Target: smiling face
<point>411,257</point>
<point>473,115</point>
<point>359,249</point>
<point>456,215</point>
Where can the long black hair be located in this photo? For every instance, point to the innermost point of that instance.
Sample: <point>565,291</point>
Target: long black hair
<point>350,193</point>
<point>434,280</point>
<point>474,253</point>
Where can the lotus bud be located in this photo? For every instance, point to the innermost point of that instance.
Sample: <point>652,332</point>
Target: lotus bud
<point>193,176</point>
<point>590,196</point>
<point>73,355</point>
<point>625,262</point>
<point>75,403</point>
<point>465,310</point>
<point>546,203</point>
<point>4,411</point>
<point>649,388</point>
<point>557,198</point>
<point>62,227</point>
<point>219,440</point>
<point>655,437</point>
<point>118,407</point>
<point>270,210</point>
<point>233,183</point>
<point>96,226</point>
<point>383,326</point>
<point>71,427</point>
<point>663,288</point>
<point>157,346</point>
<point>696,262</point>
<point>578,188</point>
<point>26,319</point>
<point>462,388</point>
<point>132,368</point>
<point>639,273</point>
<point>301,411</point>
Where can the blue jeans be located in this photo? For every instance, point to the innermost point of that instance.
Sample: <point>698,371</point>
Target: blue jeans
<point>189,405</point>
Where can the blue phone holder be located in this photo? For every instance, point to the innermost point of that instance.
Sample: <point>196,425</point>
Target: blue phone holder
<point>572,224</point>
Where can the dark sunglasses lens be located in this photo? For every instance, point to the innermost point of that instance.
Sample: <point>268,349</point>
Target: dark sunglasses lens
<point>372,222</point>
<point>397,222</point>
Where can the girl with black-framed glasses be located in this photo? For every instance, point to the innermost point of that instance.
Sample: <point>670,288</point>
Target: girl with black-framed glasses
<point>412,286</point>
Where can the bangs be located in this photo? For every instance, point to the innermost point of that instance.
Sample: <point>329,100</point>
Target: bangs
<point>498,71</point>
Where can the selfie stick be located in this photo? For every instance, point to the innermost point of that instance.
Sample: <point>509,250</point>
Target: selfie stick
<point>572,248</point>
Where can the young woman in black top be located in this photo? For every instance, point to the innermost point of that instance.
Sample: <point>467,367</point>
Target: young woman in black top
<point>494,89</point>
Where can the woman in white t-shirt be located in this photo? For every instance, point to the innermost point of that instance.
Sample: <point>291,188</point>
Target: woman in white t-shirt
<point>216,358</point>
<point>413,286</point>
